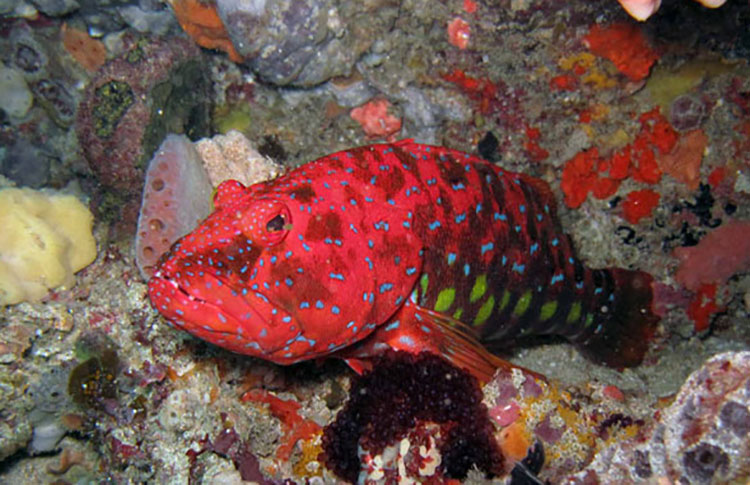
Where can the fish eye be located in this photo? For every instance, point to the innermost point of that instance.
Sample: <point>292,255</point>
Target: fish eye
<point>276,224</point>
<point>265,222</point>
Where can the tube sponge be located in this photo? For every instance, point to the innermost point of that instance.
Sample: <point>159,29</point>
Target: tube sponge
<point>46,237</point>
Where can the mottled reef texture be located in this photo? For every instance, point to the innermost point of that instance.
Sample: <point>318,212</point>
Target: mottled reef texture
<point>646,148</point>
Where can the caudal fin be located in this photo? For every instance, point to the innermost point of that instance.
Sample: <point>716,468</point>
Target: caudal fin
<point>624,322</point>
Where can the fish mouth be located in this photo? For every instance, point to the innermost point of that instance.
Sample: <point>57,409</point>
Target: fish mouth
<point>215,311</point>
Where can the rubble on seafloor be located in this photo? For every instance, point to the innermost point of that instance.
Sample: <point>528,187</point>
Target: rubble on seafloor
<point>642,130</point>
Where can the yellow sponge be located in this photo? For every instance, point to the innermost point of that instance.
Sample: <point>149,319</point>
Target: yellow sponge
<point>45,237</point>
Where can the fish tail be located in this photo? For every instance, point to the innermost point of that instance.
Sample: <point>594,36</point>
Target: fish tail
<point>622,323</point>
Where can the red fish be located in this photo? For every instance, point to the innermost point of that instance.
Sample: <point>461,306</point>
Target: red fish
<point>402,245</point>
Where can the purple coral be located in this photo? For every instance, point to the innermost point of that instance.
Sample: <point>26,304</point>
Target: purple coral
<point>686,113</point>
<point>402,392</point>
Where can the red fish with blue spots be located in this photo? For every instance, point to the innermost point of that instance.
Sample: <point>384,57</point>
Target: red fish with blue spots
<point>403,246</point>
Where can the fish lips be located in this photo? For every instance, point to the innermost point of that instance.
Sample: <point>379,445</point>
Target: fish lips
<point>240,320</point>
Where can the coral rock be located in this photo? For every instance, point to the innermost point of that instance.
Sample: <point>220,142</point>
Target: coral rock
<point>232,156</point>
<point>304,42</point>
<point>702,437</point>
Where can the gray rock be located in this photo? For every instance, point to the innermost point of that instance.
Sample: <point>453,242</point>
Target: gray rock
<point>146,20</point>
<point>304,42</point>
<point>14,92</point>
<point>26,165</point>
<point>56,8</point>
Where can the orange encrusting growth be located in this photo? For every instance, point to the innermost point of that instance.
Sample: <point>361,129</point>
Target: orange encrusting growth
<point>703,306</point>
<point>639,204</point>
<point>642,160</point>
<point>459,33</point>
<point>625,45</point>
<point>297,427</point>
<point>684,161</point>
<point>201,22</point>
<point>87,51</point>
<point>532,147</point>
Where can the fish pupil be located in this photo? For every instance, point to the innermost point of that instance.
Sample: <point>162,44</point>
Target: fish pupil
<point>275,224</point>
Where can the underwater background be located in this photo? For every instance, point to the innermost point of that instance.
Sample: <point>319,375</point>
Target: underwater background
<point>119,119</point>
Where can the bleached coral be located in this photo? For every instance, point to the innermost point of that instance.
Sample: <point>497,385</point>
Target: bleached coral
<point>232,156</point>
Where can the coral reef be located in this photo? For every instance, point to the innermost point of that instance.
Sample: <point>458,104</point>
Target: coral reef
<point>525,91</point>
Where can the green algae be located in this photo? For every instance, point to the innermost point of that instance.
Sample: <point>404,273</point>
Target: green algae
<point>667,83</point>
<point>232,117</point>
<point>113,99</point>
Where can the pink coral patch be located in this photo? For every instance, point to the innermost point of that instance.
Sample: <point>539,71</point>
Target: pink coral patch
<point>505,414</point>
<point>719,255</point>
<point>375,120</point>
<point>684,161</point>
<point>458,33</point>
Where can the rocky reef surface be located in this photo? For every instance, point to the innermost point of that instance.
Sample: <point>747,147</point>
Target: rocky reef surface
<point>642,130</point>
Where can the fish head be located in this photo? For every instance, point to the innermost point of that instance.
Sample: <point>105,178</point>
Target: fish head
<point>271,276</point>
